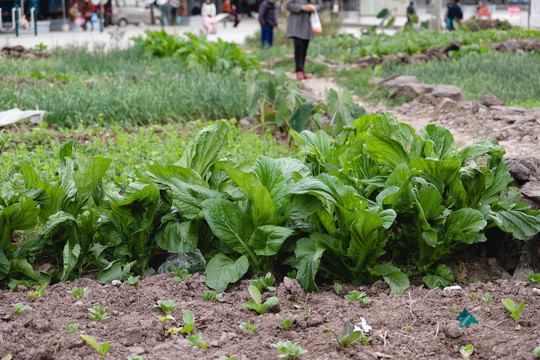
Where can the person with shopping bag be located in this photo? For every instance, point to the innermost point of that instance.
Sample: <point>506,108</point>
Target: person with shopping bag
<point>303,22</point>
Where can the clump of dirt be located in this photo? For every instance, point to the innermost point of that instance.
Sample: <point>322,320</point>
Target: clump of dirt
<point>417,324</point>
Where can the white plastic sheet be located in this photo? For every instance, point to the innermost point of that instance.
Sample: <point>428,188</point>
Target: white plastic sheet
<point>13,115</point>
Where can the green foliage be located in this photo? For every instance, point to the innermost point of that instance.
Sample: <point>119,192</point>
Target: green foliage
<point>98,313</point>
<point>73,328</point>
<point>102,348</point>
<point>257,303</point>
<point>166,306</point>
<point>196,340</point>
<point>474,296</point>
<point>19,307</point>
<point>211,296</point>
<point>356,295</point>
<point>39,292</point>
<point>289,350</point>
<point>536,352</point>
<point>337,288</point>
<point>78,292</point>
<point>453,310</point>
<point>514,310</point>
<point>136,357</point>
<point>225,357</point>
<point>197,52</point>
<point>246,326</point>
<point>189,323</point>
<point>264,282</point>
<point>180,274</point>
<point>533,278</point>
<point>283,323</point>
<point>348,335</point>
<point>133,280</point>
<point>487,298</point>
<point>466,351</point>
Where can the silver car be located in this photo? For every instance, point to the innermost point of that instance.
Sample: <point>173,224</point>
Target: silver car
<point>133,14</point>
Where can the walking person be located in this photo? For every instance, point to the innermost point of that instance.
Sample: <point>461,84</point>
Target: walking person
<point>453,13</point>
<point>299,29</point>
<point>88,11</point>
<point>268,21</point>
<point>410,12</point>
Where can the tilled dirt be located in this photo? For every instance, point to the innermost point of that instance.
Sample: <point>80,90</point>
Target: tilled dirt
<point>415,325</point>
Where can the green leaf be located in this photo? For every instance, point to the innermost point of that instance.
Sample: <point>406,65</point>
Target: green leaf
<point>313,186</point>
<point>308,255</point>
<point>368,240</point>
<point>441,277</point>
<point>465,225</point>
<point>477,149</point>
<point>4,265</point>
<point>445,171</point>
<point>442,139</point>
<point>300,116</point>
<point>398,281</point>
<point>255,294</point>
<point>21,267</point>
<point>177,236</point>
<point>70,256</point>
<point>519,223</point>
<point>231,225</point>
<point>267,239</point>
<point>271,301</point>
<point>221,271</point>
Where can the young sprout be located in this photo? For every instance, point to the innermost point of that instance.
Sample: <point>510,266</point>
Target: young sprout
<point>246,326</point>
<point>407,328</point>
<point>466,351</point>
<point>72,327</point>
<point>356,295</point>
<point>225,357</point>
<point>453,309</point>
<point>162,320</point>
<point>474,295</point>
<point>265,282</point>
<point>487,298</point>
<point>196,340</point>
<point>256,304</point>
<point>514,310</point>
<point>39,292</point>
<point>211,296</point>
<point>349,336</point>
<point>100,348</point>
<point>283,323</point>
<point>19,307</point>
<point>337,288</point>
<point>136,357</point>
<point>536,352</point>
<point>166,306</point>
<point>289,350</point>
<point>133,281</point>
<point>99,313</point>
<point>78,292</point>
<point>180,274</point>
<point>533,278</point>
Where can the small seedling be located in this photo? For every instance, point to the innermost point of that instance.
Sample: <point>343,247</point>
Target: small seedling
<point>289,350</point>
<point>407,328</point>
<point>248,327</point>
<point>474,280</point>
<point>224,357</point>
<point>348,335</point>
<point>78,292</point>
<point>487,298</point>
<point>7,357</point>
<point>189,324</point>
<point>98,313</point>
<point>514,311</point>
<point>292,274</point>
<point>337,288</point>
<point>356,295</point>
<point>180,274</point>
<point>265,282</point>
<point>136,357</point>
<point>256,303</point>
<point>133,281</point>
<point>100,348</point>
<point>466,351</point>
<point>474,295</point>
<point>162,320</point>
<point>19,307</point>
<point>196,340</point>
<point>166,306</point>
<point>39,292</point>
<point>211,296</point>
<point>453,309</point>
<point>283,323</point>
<point>72,327</point>
<point>536,352</point>
<point>532,277</point>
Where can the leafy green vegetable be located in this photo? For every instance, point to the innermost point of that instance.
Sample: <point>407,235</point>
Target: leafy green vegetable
<point>102,348</point>
<point>257,303</point>
<point>78,292</point>
<point>19,307</point>
<point>246,326</point>
<point>514,310</point>
<point>196,340</point>
<point>98,313</point>
<point>356,295</point>
<point>166,306</point>
<point>348,335</point>
<point>39,292</point>
<point>289,350</point>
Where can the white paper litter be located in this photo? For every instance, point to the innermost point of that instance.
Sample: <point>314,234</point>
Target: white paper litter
<point>363,326</point>
<point>450,288</point>
<point>13,115</point>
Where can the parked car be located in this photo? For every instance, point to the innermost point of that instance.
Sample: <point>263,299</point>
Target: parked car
<point>123,15</point>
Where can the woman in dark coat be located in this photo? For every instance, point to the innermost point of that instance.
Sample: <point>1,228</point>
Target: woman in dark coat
<point>299,28</point>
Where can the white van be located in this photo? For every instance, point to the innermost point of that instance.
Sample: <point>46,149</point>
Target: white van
<point>133,12</point>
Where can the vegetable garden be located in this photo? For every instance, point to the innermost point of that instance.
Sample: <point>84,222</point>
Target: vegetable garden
<point>279,224</point>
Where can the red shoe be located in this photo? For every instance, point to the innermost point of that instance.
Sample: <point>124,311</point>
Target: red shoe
<point>300,75</point>
<point>305,76</point>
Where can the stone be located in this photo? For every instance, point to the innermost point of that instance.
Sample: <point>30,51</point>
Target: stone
<point>137,350</point>
<point>375,81</point>
<point>370,60</point>
<point>292,286</point>
<point>226,337</point>
<point>490,100</point>
<point>509,119</point>
<point>116,283</point>
<point>532,191</point>
<point>401,80</point>
<point>448,91</point>
<point>413,90</point>
<point>452,330</point>
<point>75,343</point>
<point>524,168</point>
<point>418,58</point>
<point>314,321</point>
<point>451,46</point>
<point>446,105</point>
<point>532,114</point>
<point>132,336</point>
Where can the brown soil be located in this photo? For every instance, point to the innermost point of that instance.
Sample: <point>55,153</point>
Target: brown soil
<point>40,331</point>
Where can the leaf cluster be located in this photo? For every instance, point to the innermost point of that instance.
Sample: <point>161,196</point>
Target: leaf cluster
<point>257,303</point>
